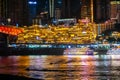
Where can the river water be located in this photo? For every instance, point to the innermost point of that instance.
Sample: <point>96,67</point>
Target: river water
<point>63,67</point>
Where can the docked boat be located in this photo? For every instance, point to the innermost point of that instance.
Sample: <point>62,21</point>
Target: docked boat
<point>79,51</point>
<point>113,51</point>
<point>101,51</point>
<point>32,49</point>
<point>37,51</point>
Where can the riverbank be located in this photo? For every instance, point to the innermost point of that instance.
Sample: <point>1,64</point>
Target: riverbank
<point>31,51</point>
<point>13,77</point>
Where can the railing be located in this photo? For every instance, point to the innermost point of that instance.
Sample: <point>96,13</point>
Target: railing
<point>53,45</point>
<point>101,27</point>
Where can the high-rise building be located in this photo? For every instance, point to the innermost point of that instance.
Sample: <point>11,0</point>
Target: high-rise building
<point>101,10</point>
<point>32,11</point>
<point>66,8</point>
<point>96,10</point>
<point>3,11</point>
<point>16,14</point>
<point>86,9</point>
<point>115,10</point>
<point>51,8</point>
<point>58,7</point>
<point>71,9</point>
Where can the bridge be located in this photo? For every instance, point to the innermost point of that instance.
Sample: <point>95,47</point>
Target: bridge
<point>10,30</point>
<point>5,31</point>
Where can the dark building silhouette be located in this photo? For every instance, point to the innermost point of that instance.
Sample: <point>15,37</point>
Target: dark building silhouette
<point>85,8</point>
<point>101,10</point>
<point>15,10</point>
<point>3,41</point>
<point>71,9</point>
<point>82,8</point>
<point>3,12</point>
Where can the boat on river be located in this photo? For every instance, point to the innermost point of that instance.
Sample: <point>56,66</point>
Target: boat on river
<point>32,49</point>
<point>113,51</point>
<point>79,51</point>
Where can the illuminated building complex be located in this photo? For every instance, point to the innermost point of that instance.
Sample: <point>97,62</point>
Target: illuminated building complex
<point>80,33</point>
<point>115,10</point>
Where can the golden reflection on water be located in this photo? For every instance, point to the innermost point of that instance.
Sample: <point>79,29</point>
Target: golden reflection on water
<point>14,65</point>
<point>87,68</point>
<point>68,67</point>
<point>23,62</point>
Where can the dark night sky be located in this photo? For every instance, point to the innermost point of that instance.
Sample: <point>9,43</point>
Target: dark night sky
<point>75,8</point>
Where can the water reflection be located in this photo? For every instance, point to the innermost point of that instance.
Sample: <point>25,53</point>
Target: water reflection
<point>68,67</point>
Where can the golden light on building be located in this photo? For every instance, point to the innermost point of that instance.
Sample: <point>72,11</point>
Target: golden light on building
<point>92,18</point>
<point>80,33</point>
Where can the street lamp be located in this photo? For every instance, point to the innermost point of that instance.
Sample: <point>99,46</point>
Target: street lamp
<point>9,20</point>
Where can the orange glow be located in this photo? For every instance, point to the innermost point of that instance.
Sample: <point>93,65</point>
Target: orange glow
<point>10,30</point>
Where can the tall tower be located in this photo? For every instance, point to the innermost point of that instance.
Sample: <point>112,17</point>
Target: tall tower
<point>32,5</point>
<point>58,7</point>
<point>66,8</point>
<point>101,10</point>
<point>86,9</point>
<point>51,8</point>
<point>95,10</point>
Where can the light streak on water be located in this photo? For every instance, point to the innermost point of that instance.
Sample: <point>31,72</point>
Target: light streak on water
<point>64,67</point>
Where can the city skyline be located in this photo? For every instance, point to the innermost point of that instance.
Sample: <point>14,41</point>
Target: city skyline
<point>24,11</point>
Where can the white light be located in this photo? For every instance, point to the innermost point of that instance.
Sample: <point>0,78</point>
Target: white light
<point>32,2</point>
<point>69,46</point>
<point>59,2</point>
<point>84,32</point>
